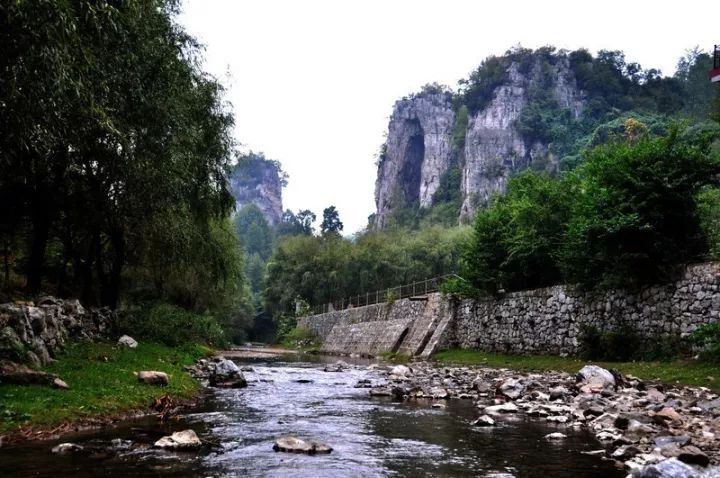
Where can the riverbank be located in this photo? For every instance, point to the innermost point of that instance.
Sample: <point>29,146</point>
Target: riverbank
<point>102,388</point>
<point>678,372</point>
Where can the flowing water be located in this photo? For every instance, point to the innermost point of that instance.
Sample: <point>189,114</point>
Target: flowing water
<point>370,436</point>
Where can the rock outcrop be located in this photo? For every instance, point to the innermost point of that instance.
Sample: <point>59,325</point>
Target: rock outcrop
<point>418,151</point>
<point>259,181</point>
<point>33,332</point>
<point>494,148</point>
<point>420,146</point>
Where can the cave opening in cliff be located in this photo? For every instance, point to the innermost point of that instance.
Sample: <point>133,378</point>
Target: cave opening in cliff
<point>412,164</point>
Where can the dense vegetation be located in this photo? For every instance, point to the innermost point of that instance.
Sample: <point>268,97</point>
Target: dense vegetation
<point>636,209</point>
<point>114,150</point>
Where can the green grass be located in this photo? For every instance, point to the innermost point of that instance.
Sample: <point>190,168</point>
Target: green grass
<point>685,372</point>
<point>101,380</point>
<point>394,357</point>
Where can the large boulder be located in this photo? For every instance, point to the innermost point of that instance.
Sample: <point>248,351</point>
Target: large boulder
<point>184,440</point>
<point>594,378</point>
<point>292,444</point>
<point>18,374</point>
<point>511,388</point>
<point>226,374</point>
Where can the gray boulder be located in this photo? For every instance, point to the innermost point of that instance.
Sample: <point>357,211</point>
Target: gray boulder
<point>292,444</point>
<point>595,377</point>
<point>671,468</point>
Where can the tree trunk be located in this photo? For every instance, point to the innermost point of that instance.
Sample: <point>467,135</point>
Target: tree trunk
<point>41,230</point>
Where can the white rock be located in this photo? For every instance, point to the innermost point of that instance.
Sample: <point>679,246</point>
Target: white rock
<point>297,445</point>
<point>67,448</point>
<point>596,376</point>
<point>153,377</point>
<point>127,341</point>
<point>401,371</point>
<point>484,421</point>
<point>555,436</point>
<point>183,440</point>
<point>503,408</point>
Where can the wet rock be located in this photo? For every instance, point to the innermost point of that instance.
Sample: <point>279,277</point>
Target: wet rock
<point>439,392</point>
<point>502,408</point>
<point>338,366</point>
<point>555,436</point>
<point>557,393</point>
<point>184,440</point>
<point>484,421</point>
<point>363,383</point>
<point>127,341</point>
<point>226,374</point>
<point>665,441</point>
<point>401,371</point>
<point>291,444</point>
<point>67,449</point>
<point>380,392</point>
<point>625,452</point>
<point>667,415</point>
<point>693,456</point>
<point>153,377</point>
<point>671,468</point>
<point>481,385</point>
<point>511,388</point>
<point>595,378</point>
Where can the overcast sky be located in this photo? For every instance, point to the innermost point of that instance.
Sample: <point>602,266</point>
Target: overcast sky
<point>312,83</point>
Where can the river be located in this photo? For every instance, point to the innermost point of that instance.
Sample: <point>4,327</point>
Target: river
<point>371,436</point>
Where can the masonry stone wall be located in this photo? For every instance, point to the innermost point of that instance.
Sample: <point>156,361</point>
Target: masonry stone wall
<point>549,320</point>
<point>34,332</point>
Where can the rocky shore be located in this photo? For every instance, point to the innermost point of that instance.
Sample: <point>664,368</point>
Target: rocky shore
<point>651,429</point>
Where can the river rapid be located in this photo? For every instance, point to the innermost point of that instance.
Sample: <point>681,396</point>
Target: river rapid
<point>371,436</point>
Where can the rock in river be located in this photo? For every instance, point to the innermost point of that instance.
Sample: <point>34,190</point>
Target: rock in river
<point>227,375</point>
<point>67,448</point>
<point>291,444</point>
<point>184,440</point>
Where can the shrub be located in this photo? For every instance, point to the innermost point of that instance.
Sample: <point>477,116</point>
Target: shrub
<point>301,338</point>
<point>625,344</point>
<point>707,338</point>
<point>170,325</point>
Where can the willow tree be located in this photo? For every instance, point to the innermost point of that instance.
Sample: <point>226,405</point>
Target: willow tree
<point>110,137</point>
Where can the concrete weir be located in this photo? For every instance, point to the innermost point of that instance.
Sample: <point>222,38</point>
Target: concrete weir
<point>411,326</point>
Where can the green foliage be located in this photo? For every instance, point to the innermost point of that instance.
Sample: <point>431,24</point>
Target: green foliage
<point>170,325</point>
<point>516,239</point>
<point>252,168</point>
<point>633,216</point>
<point>331,225</point>
<point>101,383</point>
<point>460,128</point>
<point>114,157</point>
<point>321,271</point>
<point>303,339</point>
<point>254,231</point>
<point>625,344</point>
<point>708,203</point>
<point>300,224</point>
<point>707,338</point>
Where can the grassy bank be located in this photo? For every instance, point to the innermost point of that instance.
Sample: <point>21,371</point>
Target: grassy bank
<point>101,380</point>
<point>686,372</point>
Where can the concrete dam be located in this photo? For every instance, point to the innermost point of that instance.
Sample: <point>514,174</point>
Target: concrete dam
<point>551,320</point>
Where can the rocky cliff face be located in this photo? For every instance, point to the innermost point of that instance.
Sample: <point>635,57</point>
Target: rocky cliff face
<point>494,148</point>
<point>259,181</point>
<point>419,147</point>
<point>418,152</point>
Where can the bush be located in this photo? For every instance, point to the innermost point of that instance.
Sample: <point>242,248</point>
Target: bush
<point>634,217</point>
<point>301,338</point>
<point>170,325</point>
<point>625,344</point>
<point>707,338</point>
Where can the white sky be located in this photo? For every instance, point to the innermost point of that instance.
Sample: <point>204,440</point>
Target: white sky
<point>313,82</point>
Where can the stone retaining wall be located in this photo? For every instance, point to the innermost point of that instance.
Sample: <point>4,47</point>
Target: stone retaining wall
<point>34,332</point>
<point>549,320</point>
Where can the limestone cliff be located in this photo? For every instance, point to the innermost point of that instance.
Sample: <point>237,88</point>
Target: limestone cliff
<point>259,181</point>
<point>422,137</point>
<point>494,148</point>
<point>417,153</point>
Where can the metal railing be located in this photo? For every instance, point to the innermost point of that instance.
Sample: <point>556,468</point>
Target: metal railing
<point>414,289</point>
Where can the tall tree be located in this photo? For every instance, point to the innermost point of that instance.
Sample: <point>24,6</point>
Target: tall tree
<point>331,225</point>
